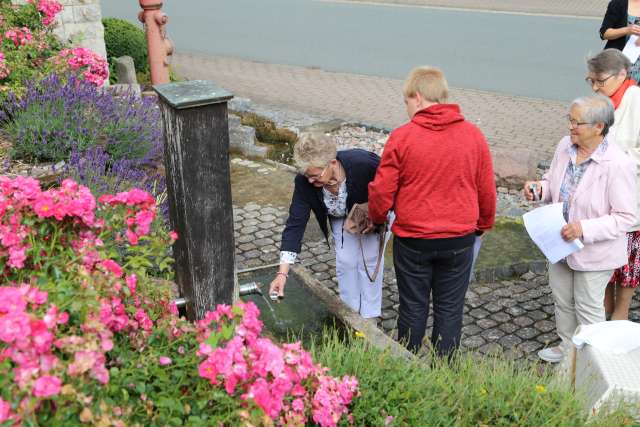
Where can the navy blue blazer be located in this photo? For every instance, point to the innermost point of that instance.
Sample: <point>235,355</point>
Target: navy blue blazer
<point>360,168</point>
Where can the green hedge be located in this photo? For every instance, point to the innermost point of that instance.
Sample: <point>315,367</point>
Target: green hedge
<point>123,38</point>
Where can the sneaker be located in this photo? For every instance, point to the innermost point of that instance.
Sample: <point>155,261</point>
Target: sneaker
<point>551,354</point>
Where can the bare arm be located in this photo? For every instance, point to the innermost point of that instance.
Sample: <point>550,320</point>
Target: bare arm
<point>616,33</point>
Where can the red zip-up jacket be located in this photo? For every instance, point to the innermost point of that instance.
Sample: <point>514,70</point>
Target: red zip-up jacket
<point>436,173</point>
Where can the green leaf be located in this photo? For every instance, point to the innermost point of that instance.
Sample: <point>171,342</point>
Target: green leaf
<point>227,332</point>
<point>213,340</point>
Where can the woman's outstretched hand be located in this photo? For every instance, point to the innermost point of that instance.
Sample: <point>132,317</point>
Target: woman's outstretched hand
<point>277,287</point>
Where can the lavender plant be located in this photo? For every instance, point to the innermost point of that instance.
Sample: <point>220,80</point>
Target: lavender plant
<point>96,169</point>
<point>56,116</point>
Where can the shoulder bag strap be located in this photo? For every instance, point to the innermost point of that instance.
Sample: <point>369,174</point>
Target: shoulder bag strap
<point>372,278</point>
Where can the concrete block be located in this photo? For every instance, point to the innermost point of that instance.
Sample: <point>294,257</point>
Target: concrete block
<point>125,70</point>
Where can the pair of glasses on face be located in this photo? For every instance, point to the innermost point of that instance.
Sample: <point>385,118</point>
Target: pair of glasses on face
<point>597,82</point>
<point>573,123</point>
<point>315,177</point>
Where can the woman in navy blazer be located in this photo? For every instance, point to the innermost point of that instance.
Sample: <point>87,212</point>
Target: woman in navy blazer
<point>329,183</point>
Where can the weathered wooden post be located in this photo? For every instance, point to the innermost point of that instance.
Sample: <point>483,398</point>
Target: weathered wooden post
<point>196,147</point>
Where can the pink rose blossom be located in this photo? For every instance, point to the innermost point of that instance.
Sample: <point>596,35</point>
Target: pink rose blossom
<point>5,411</point>
<point>47,386</point>
<point>91,66</point>
<point>48,8</point>
<point>112,267</point>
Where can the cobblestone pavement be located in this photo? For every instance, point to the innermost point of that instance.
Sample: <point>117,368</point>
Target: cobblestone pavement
<point>509,122</point>
<point>512,316</point>
<point>590,8</point>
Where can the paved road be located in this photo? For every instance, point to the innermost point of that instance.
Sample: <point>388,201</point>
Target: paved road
<point>590,8</point>
<point>509,122</point>
<point>534,56</point>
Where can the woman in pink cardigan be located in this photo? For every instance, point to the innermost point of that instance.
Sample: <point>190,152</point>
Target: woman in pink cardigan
<point>609,75</point>
<point>596,182</point>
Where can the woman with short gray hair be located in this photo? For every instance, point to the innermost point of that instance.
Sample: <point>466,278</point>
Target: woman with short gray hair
<point>608,74</point>
<point>596,183</point>
<point>328,184</point>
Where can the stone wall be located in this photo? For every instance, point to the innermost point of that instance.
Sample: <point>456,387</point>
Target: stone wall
<point>81,22</point>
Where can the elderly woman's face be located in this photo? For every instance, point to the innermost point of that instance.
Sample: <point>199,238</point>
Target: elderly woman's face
<point>580,130</point>
<point>318,177</point>
<point>606,84</point>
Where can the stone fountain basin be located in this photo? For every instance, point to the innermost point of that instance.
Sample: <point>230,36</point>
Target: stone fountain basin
<point>308,308</point>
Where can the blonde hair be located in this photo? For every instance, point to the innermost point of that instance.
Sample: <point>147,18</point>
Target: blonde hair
<point>313,150</point>
<point>429,82</point>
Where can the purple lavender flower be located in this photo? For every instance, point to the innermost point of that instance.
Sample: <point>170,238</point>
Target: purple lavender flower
<point>55,117</point>
<point>110,142</point>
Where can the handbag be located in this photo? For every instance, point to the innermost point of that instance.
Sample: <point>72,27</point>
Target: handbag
<point>356,223</point>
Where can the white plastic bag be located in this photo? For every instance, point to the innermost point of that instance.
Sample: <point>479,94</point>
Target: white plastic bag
<point>615,337</point>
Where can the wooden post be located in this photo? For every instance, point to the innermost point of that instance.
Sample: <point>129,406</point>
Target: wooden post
<point>196,148</point>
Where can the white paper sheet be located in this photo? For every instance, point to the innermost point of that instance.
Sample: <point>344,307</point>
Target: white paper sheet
<point>544,225</point>
<point>631,50</point>
<point>616,336</point>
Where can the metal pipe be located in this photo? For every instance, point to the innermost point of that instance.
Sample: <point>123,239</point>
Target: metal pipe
<point>245,289</point>
<point>250,288</point>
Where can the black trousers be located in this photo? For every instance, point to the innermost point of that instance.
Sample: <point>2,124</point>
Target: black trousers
<point>440,269</point>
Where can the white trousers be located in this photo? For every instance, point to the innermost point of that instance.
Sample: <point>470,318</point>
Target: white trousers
<point>578,298</point>
<point>356,290</point>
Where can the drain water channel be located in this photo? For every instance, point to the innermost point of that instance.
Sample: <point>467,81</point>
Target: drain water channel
<point>300,315</point>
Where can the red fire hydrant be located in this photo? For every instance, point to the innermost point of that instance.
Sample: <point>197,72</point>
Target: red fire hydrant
<point>158,44</point>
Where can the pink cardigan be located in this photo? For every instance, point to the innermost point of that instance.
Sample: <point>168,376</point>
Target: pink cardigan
<point>604,203</point>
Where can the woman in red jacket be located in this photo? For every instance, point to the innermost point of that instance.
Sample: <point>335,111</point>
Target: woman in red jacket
<point>436,174</point>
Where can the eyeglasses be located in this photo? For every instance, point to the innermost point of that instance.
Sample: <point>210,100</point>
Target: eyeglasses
<point>315,177</point>
<point>597,82</point>
<point>573,123</point>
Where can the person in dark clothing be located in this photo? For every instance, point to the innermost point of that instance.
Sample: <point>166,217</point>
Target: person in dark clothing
<point>436,173</point>
<point>621,21</point>
<point>330,182</point>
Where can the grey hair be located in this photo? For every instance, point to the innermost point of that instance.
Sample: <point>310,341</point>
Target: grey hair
<point>609,61</point>
<point>313,150</point>
<point>596,109</point>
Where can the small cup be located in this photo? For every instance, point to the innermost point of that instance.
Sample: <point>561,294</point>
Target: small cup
<point>534,191</point>
<point>274,296</point>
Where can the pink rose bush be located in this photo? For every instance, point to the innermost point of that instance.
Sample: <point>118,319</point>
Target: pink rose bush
<point>83,327</point>
<point>48,9</point>
<point>282,380</point>
<point>84,62</point>
<point>27,47</point>
<point>19,36</point>
<point>41,232</point>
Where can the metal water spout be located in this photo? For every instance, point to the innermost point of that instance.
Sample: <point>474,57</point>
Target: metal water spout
<point>250,288</point>
<point>158,44</point>
<point>245,289</point>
